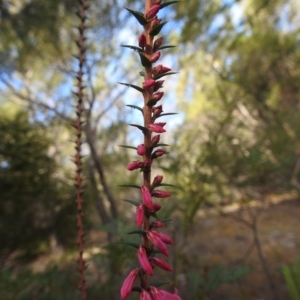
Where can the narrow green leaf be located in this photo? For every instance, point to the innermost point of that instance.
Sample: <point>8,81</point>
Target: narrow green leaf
<point>138,15</point>
<point>135,48</point>
<point>130,185</point>
<point>134,245</point>
<point>138,88</point>
<point>130,147</point>
<point>161,145</point>
<point>165,47</point>
<point>137,231</point>
<point>163,5</point>
<point>136,107</point>
<point>155,31</point>
<point>135,203</point>
<point>166,114</point>
<point>142,128</point>
<point>164,74</point>
<point>160,283</point>
<point>166,184</point>
<point>166,220</point>
<point>145,61</point>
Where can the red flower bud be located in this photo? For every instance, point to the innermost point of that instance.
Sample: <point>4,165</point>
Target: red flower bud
<point>155,57</point>
<point>160,194</point>
<point>157,153</point>
<point>158,84</point>
<point>160,263</point>
<point>148,83</point>
<point>143,260</point>
<point>157,110</point>
<point>165,238</point>
<point>141,149</point>
<point>155,140</point>
<point>142,41</point>
<point>160,69</point>
<point>157,224</point>
<point>157,242</point>
<point>144,295</point>
<point>155,22</point>
<point>157,180</point>
<point>156,207</point>
<point>151,13</point>
<point>157,43</point>
<point>135,165</point>
<point>156,128</point>
<point>147,199</point>
<point>157,96</point>
<point>128,283</point>
<point>139,218</point>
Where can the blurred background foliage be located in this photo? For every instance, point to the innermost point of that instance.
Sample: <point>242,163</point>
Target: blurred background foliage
<point>236,139</point>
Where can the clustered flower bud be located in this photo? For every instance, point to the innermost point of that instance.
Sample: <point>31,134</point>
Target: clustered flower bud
<point>146,208</point>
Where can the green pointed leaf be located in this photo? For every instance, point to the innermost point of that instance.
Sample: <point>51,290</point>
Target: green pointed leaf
<point>135,48</point>
<point>154,215</point>
<point>130,185</point>
<point>136,107</point>
<point>161,145</point>
<point>160,283</point>
<point>138,88</point>
<point>166,220</point>
<point>135,203</point>
<point>163,5</point>
<point>130,147</point>
<point>142,128</point>
<point>164,74</point>
<point>137,231</point>
<point>165,47</point>
<point>134,245</point>
<point>145,61</point>
<point>138,15</point>
<point>155,31</point>
<point>166,184</point>
<point>166,114</point>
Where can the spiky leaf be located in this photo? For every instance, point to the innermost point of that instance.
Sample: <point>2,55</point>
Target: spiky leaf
<point>166,114</point>
<point>163,5</point>
<point>134,245</point>
<point>165,47</point>
<point>129,147</point>
<point>135,48</point>
<point>142,128</point>
<point>138,88</point>
<point>166,184</point>
<point>138,15</point>
<point>135,203</point>
<point>155,31</point>
<point>164,74</point>
<point>160,283</point>
<point>130,185</point>
<point>136,107</point>
<point>137,231</point>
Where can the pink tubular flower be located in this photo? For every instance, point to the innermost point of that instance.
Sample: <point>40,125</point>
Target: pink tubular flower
<point>135,165</point>
<point>158,84</point>
<point>142,41</point>
<point>158,243</point>
<point>139,217</point>
<point>155,57</point>
<point>157,96</point>
<point>156,207</point>
<point>157,224</point>
<point>147,199</point>
<point>155,127</point>
<point>160,69</point>
<point>155,293</point>
<point>160,194</point>
<point>144,262</point>
<point>157,180</point>
<point>151,13</point>
<point>157,153</point>
<point>148,83</point>
<point>168,296</point>
<point>165,238</point>
<point>157,43</point>
<point>155,140</point>
<point>160,263</point>
<point>144,295</point>
<point>128,283</point>
<point>141,149</point>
